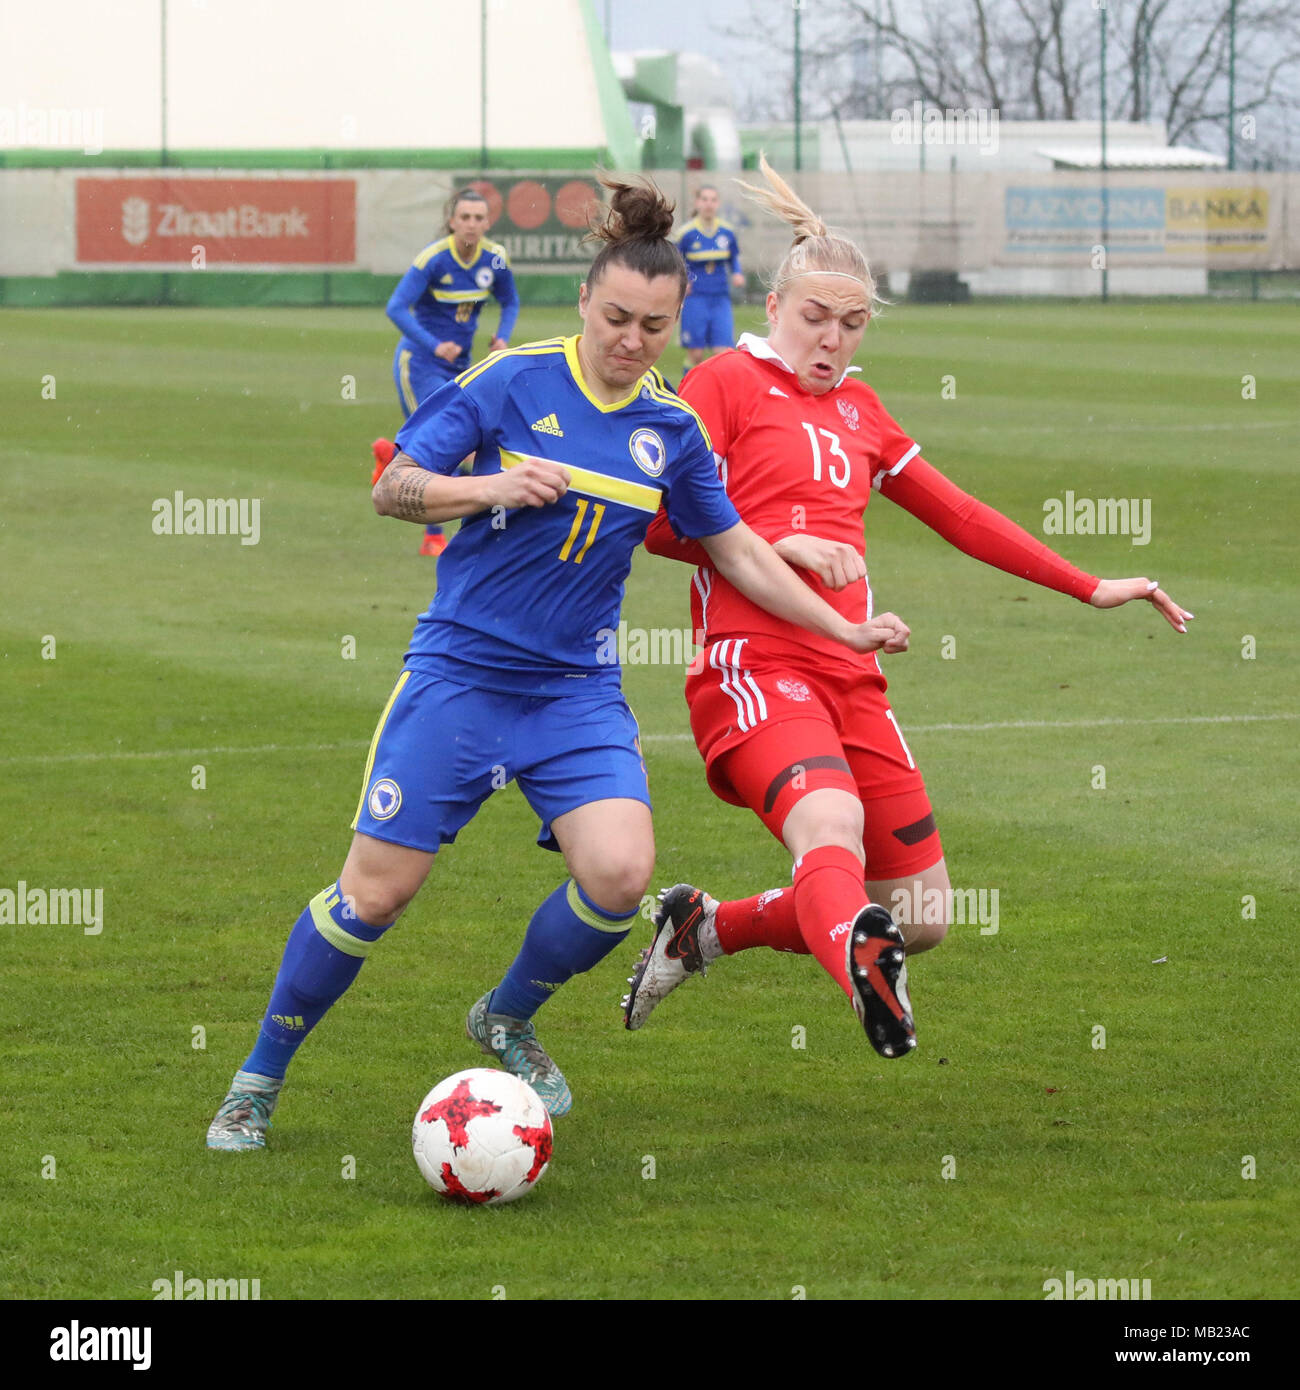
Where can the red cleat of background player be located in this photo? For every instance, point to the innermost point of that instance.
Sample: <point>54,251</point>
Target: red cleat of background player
<point>385,451</point>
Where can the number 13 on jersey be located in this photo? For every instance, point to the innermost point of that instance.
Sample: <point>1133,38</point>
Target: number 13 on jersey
<point>839,477</point>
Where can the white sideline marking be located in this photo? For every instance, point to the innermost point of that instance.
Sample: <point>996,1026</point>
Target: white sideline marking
<point>352,744</point>
<point>1119,428</point>
<point>1097,723</point>
<point>1047,724</point>
<point>127,755</point>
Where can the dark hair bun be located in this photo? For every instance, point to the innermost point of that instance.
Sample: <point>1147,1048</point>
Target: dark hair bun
<point>636,211</point>
<point>634,227</point>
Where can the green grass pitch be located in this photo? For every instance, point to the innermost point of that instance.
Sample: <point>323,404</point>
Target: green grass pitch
<point>1009,1149</point>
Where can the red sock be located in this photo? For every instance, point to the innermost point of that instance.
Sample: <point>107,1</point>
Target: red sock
<point>828,895</point>
<point>767,920</point>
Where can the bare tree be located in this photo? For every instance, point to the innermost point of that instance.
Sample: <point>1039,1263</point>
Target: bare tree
<point>1168,60</point>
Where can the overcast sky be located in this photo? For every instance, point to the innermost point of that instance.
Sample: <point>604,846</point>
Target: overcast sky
<point>680,24</point>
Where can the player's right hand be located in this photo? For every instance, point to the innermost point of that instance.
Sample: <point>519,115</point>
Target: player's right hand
<point>1111,593</point>
<point>448,351</point>
<point>885,632</point>
<point>533,483</point>
<point>835,563</point>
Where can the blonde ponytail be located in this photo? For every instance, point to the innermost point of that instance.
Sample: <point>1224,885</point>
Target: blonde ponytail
<point>816,250</point>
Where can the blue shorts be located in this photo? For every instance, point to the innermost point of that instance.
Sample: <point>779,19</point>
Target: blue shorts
<point>442,749</point>
<point>418,374</point>
<point>707,322</point>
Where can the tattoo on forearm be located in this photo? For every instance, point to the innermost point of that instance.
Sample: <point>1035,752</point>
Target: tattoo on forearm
<point>408,494</point>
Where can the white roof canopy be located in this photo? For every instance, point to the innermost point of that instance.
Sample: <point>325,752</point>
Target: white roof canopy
<point>1088,156</point>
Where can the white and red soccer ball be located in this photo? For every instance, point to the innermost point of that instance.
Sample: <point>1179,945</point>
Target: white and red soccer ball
<point>482,1137</point>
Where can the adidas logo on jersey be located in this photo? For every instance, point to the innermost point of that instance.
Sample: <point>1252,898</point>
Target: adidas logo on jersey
<point>446,279</point>
<point>776,391</point>
<point>548,425</point>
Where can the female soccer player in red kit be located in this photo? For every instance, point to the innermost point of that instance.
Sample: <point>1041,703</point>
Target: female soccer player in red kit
<point>788,724</point>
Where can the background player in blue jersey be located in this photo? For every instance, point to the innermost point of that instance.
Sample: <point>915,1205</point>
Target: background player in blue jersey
<point>436,306</point>
<point>512,672</point>
<point>712,256</point>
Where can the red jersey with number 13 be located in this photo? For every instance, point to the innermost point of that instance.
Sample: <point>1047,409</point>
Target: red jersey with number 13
<point>791,462</point>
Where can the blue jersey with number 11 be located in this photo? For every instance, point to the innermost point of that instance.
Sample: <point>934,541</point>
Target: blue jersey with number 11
<point>528,598</point>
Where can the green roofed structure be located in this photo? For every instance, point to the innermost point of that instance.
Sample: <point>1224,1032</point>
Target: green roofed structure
<point>450,84</point>
<point>303,151</point>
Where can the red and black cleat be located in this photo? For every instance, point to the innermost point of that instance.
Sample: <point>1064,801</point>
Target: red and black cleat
<point>878,975</point>
<point>683,910</point>
<point>673,955</point>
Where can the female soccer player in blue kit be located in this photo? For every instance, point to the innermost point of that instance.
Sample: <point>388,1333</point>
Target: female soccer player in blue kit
<point>712,254</point>
<point>436,306</point>
<point>577,442</point>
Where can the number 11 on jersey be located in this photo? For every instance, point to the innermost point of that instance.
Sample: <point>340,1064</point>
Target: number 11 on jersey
<point>597,512</point>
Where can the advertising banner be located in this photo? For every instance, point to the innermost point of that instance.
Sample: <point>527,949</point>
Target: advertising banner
<point>215,222</point>
<point>540,219</point>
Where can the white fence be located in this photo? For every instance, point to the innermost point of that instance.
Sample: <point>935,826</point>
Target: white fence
<point>1033,231</point>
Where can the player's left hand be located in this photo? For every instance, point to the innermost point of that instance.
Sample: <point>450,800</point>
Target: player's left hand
<point>835,563</point>
<point>498,345</point>
<point>738,280</point>
<point>886,632</point>
<point>1111,593</point>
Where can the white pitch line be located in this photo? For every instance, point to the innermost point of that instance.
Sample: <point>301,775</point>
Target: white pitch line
<point>1121,428</point>
<point>1048,724</point>
<point>1096,723</point>
<point>125,755</point>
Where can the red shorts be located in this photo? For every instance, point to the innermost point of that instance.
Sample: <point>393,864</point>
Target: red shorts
<point>770,731</point>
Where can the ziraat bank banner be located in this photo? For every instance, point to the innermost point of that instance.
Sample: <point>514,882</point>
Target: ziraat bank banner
<point>226,222</point>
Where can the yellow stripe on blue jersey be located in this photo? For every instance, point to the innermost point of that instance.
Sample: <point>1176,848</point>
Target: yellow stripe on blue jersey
<point>538,349</point>
<point>431,251</point>
<point>575,367</point>
<point>636,495</point>
<point>671,398</point>
<point>652,381</point>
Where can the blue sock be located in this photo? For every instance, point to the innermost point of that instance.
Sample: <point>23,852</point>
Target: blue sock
<point>321,959</point>
<point>567,935</point>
